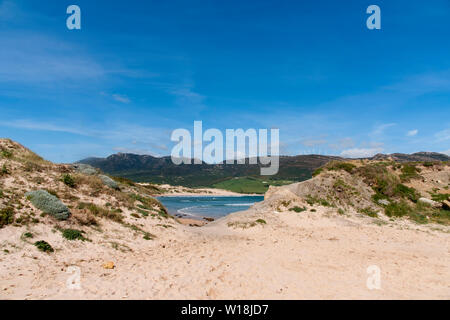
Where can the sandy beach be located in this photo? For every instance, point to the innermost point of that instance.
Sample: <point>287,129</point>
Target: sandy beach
<point>308,255</point>
<point>292,245</point>
<point>179,191</point>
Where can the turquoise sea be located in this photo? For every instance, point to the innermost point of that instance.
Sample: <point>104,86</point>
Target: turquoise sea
<point>208,206</point>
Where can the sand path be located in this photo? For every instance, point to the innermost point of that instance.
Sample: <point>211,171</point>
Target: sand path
<point>293,256</point>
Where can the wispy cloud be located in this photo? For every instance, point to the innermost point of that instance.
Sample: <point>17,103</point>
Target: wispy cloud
<point>380,129</point>
<point>34,58</point>
<point>361,152</point>
<point>412,133</point>
<point>121,98</point>
<point>42,126</point>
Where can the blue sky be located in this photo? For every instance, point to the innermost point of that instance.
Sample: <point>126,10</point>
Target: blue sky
<point>139,69</point>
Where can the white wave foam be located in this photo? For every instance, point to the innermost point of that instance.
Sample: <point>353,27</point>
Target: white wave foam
<point>239,204</point>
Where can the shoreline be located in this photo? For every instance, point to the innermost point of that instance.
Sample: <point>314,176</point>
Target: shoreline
<point>180,191</point>
<point>237,195</point>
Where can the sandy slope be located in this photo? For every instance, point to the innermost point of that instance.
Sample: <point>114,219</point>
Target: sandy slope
<point>304,255</point>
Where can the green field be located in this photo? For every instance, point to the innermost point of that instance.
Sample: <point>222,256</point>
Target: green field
<point>249,184</point>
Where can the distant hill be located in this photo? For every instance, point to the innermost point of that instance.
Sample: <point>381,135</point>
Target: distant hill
<point>146,168</point>
<point>418,156</point>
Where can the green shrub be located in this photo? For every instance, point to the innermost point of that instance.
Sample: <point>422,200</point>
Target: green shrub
<point>68,180</point>
<point>409,171</point>
<point>6,216</point>
<point>311,200</point>
<point>261,221</point>
<point>337,165</point>
<point>148,236</point>
<point>440,196</point>
<point>341,211</point>
<point>148,203</point>
<point>369,211</point>
<point>317,172</point>
<point>398,209</point>
<point>44,246</point>
<point>4,170</point>
<point>5,153</point>
<point>109,182</point>
<point>143,212</point>
<point>72,234</point>
<point>48,204</point>
<point>406,192</point>
<point>114,215</point>
<point>297,209</point>
<point>28,235</point>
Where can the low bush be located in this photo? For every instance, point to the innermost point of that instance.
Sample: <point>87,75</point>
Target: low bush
<point>440,196</point>
<point>44,246</point>
<point>311,200</point>
<point>317,172</point>
<point>73,234</point>
<point>409,171</point>
<point>338,165</point>
<point>297,209</point>
<point>6,216</point>
<point>4,170</point>
<point>149,203</point>
<point>398,209</point>
<point>68,180</point>
<point>369,211</point>
<point>5,153</point>
<point>101,212</point>
<point>48,204</point>
<point>406,192</point>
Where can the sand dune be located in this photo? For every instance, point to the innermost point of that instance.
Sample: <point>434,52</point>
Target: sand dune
<point>312,255</point>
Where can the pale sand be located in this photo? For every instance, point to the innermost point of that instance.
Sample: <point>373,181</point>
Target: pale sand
<point>320,255</point>
<point>179,191</point>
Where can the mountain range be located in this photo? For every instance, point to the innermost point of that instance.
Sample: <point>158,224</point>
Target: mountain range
<point>146,168</point>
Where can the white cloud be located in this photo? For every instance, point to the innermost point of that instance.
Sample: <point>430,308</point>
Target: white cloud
<point>446,152</point>
<point>121,98</point>
<point>412,133</point>
<point>378,130</point>
<point>361,152</point>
